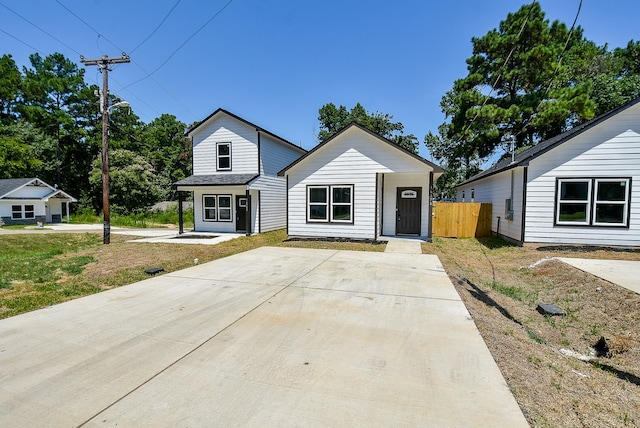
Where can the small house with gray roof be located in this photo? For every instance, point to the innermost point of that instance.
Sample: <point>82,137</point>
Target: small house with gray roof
<point>580,187</point>
<point>234,184</point>
<point>31,201</point>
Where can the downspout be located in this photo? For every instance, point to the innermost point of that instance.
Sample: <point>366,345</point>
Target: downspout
<point>247,217</point>
<point>524,201</point>
<point>259,153</point>
<point>286,198</point>
<point>430,220</point>
<point>382,205</point>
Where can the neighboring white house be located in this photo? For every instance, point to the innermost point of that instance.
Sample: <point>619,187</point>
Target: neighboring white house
<point>580,187</point>
<point>235,166</point>
<point>359,185</point>
<point>31,201</point>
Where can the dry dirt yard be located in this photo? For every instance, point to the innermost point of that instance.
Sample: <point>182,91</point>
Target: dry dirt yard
<point>549,362</point>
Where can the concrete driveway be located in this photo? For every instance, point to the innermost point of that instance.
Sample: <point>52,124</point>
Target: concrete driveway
<point>273,337</point>
<point>625,273</point>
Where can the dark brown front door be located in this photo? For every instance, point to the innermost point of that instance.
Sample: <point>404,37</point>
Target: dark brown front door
<point>241,213</point>
<point>408,210</point>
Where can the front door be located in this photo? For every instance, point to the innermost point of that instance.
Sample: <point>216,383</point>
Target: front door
<point>241,213</point>
<point>408,210</point>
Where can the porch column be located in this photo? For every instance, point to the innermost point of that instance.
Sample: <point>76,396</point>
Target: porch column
<point>68,217</point>
<point>430,227</point>
<point>180,217</point>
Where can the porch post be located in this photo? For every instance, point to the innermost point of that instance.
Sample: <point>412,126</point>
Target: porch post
<point>430,227</point>
<point>180,217</point>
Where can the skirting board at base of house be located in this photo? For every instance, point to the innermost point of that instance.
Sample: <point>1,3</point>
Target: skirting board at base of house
<point>329,239</point>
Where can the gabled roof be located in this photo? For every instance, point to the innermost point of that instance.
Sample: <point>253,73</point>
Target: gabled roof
<point>217,180</point>
<point>10,185</point>
<point>523,158</point>
<point>257,128</point>
<point>435,167</point>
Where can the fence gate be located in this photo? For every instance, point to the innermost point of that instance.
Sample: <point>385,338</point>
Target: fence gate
<point>461,219</point>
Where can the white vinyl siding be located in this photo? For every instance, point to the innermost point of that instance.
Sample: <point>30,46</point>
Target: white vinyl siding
<point>273,205</point>
<point>354,157</point>
<point>596,153</point>
<point>276,154</point>
<point>225,129</point>
<point>496,189</point>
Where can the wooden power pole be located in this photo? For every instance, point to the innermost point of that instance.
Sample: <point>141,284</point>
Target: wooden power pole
<point>105,64</point>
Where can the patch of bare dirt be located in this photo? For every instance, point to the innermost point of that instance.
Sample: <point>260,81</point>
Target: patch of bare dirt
<point>550,363</point>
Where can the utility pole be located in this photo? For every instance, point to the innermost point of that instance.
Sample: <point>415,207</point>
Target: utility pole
<point>104,65</point>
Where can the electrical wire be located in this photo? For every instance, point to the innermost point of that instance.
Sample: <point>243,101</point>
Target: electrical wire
<point>22,41</point>
<point>39,28</point>
<point>89,25</point>
<point>157,28</point>
<point>215,15</point>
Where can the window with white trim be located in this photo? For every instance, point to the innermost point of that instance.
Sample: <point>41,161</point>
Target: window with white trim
<point>216,208</point>
<point>330,204</point>
<point>19,212</point>
<point>593,201</point>
<point>223,156</point>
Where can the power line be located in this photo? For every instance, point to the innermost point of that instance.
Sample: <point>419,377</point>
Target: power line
<point>156,29</point>
<point>215,15</point>
<point>88,25</point>
<point>22,41</point>
<point>39,28</point>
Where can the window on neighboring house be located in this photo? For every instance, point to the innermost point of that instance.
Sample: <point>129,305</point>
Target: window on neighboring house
<point>330,204</point>
<point>216,207</point>
<point>223,156</point>
<point>19,212</point>
<point>592,202</point>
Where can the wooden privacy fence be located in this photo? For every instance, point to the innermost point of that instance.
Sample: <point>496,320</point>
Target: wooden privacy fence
<point>461,219</point>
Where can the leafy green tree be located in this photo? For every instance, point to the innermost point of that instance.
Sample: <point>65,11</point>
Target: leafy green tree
<point>132,182</point>
<point>52,94</point>
<point>332,119</point>
<point>10,82</point>
<point>22,148</point>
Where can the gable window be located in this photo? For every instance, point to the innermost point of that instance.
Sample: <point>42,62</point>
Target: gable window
<point>19,212</point>
<point>216,208</point>
<point>332,204</point>
<point>593,201</point>
<point>223,156</point>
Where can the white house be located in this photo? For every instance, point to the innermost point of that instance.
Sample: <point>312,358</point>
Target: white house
<point>359,185</point>
<point>31,200</point>
<point>580,187</point>
<point>234,183</point>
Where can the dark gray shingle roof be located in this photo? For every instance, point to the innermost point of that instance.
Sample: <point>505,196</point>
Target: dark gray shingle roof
<point>523,158</point>
<point>216,180</point>
<point>9,184</point>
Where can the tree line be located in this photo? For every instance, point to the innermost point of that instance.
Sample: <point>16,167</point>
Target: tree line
<point>528,80</point>
<point>51,128</point>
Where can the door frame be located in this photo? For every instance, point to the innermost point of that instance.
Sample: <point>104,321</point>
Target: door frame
<point>417,207</point>
<point>241,219</point>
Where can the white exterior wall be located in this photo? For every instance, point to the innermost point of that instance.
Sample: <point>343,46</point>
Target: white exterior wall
<point>215,226</point>
<point>495,190</point>
<point>599,152</point>
<point>272,205</point>
<point>222,129</point>
<point>276,155</point>
<point>38,207</point>
<point>352,158</point>
<point>390,194</point>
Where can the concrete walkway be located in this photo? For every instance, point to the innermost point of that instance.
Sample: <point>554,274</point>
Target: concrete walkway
<point>400,245</point>
<point>625,273</point>
<point>274,337</point>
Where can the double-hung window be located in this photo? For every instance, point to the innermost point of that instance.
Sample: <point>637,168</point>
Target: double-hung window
<point>223,156</point>
<point>330,204</point>
<point>19,212</point>
<point>216,207</point>
<point>593,201</point>
<point>611,205</point>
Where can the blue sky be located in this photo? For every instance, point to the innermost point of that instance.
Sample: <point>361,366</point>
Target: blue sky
<point>275,63</point>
